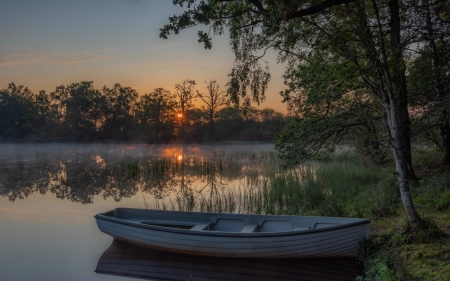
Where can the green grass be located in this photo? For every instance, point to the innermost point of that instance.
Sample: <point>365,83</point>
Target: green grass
<point>339,186</point>
<point>342,185</point>
<point>400,250</point>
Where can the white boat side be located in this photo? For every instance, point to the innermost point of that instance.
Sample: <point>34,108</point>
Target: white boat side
<point>236,235</point>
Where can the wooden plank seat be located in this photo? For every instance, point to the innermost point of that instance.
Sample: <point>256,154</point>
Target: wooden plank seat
<point>300,227</point>
<point>250,227</point>
<point>201,226</point>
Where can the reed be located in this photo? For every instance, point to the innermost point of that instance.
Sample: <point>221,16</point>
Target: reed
<point>131,168</point>
<point>295,192</point>
<point>338,186</point>
<point>256,183</point>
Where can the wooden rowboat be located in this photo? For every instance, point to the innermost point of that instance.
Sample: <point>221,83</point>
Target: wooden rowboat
<point>121,259</point>
<point>236,235</point>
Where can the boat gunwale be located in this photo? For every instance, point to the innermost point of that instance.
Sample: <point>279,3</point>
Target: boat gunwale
<point>101,216</point>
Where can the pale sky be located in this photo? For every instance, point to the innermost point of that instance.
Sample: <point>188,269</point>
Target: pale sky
<point>47,43</point>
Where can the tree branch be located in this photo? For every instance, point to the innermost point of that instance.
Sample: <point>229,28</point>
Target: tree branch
<point>427,38</point>
<point>258,5</point>
<point>316,8</point>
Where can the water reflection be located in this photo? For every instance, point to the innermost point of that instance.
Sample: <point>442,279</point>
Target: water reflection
<point>79,173</point>
<point>127,260</point>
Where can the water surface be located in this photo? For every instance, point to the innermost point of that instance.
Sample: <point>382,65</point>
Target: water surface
<point>49,195</point>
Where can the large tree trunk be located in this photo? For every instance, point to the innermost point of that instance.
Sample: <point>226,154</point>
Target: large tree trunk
<point>211,125</point>
<point>400,140</point>
<point>392,75</point>
<point>401,162</point>
<point>445,134</point>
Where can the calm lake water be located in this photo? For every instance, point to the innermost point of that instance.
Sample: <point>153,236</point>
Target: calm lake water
<point>49,195</point>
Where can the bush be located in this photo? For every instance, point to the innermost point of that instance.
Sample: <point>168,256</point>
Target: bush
<point>383,266</point>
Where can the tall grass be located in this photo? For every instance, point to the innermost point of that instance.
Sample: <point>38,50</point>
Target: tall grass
<point>338,187</point>
<point>248,182</point>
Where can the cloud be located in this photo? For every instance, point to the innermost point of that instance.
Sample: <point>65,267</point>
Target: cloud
<point>30,54</point>
<point>74,59</point>
<point>83,56</point>
<point>107,50</point>
<point>24,58</point>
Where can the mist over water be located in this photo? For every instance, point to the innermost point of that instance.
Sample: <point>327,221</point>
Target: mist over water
<point>49,194</point>
<point>78,172</point>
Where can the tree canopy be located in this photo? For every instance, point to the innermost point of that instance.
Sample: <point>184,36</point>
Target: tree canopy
<point>342,57</point>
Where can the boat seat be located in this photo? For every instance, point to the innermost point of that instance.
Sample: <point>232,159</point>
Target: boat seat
<point>300,227</point>
<point>250,227</point>
<point>201,226</point>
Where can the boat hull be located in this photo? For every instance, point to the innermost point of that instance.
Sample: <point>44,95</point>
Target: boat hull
<point>336,241</point>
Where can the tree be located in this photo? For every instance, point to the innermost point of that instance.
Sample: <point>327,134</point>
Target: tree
<point>331,103</point>
<point>438,79</point>
<point>214,99</point>
<point>429,101</point>
<point>272,123</point>
<point>82,108</point>
<point>155,113</point>
<point>49,123</point>
<point>196,124</point>
<point>118,107</point>
<point>368,35</point>
<point>229,124</point>
<point>185,94</point>
<point>19,115</point>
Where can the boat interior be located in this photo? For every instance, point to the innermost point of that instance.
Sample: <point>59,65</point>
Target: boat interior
<point>221,222</point>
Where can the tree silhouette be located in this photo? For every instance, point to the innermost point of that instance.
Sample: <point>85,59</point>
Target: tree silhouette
<point>185,94</point>
<point>214,99</point>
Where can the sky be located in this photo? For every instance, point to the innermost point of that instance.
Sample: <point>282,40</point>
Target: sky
<point>48,43</point>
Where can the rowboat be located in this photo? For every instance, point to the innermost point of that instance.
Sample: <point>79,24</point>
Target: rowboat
<point>122,259</point>
<point>236,235</point>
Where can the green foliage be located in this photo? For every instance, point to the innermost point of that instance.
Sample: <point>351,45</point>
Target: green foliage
<point>330,188</point>
<point>333,105</point>
<point>444,202</point>
<point>422,231</point>
<point>429,84</point>
<point>383,266</point>
<point>409,251</point>
<point>342,57</point>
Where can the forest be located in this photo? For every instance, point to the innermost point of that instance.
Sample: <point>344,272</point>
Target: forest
<point>81,113</point>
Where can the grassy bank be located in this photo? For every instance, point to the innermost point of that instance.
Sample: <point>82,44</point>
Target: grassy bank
<point>340,186</point>
<point>397,249</point>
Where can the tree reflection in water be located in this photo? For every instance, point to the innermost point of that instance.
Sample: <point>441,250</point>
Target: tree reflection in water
<point>80,175</point>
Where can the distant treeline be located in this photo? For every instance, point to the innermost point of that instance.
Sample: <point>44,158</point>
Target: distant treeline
<point>81,113</point>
